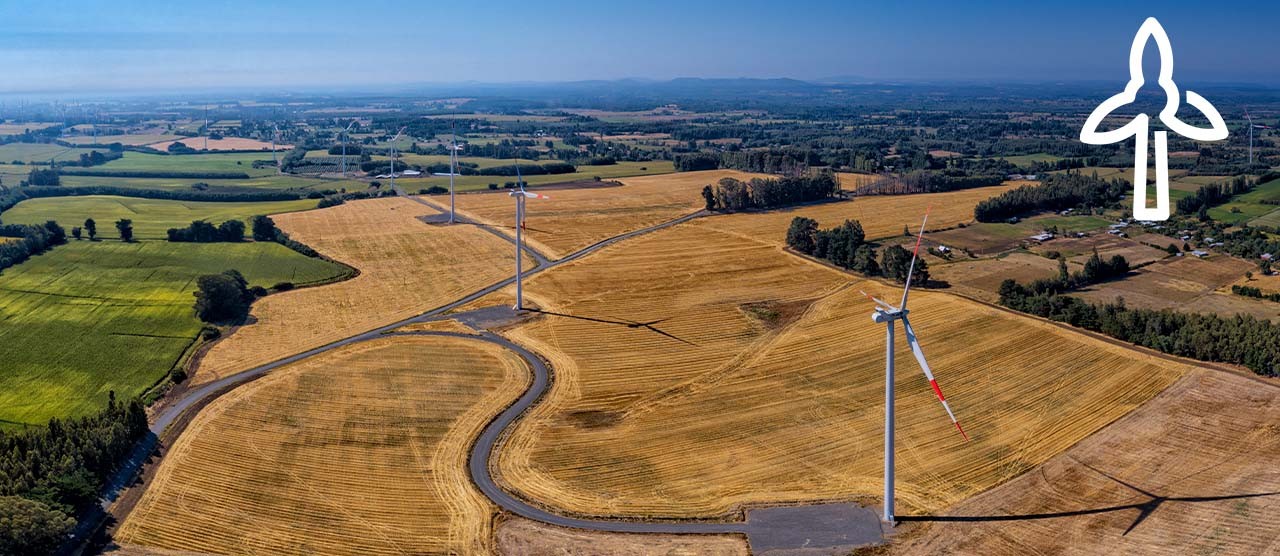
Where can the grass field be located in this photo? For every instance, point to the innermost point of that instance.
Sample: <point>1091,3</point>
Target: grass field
<point>273,181</point>
<point>38,153</point>
<point>86,318</point>
<point>134,139</point>
<point>406,268</point>
<point>224,144</point>
<point>481,183</point>
<point>358,451</point>
<point>758,379</point>
<point>1026,160</point>
<point>216,162</point>
<point>19,129</point>
<point>575,218</point>
<point>1249,206</point>
<point>1210,435</point>
<point>151,217</point>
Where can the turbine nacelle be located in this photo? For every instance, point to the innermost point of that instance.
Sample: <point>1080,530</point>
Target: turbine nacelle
<point>882,316</point>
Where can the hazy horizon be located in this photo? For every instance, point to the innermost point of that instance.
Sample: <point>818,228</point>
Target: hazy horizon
<point>100,47</point>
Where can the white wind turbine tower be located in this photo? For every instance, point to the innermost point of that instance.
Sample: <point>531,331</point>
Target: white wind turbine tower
<point>520,195</point>
<point>274,137</point>
<point>453,167</point>
<point>887,314</point>
<point>344,137</point>
<point>1246,116</point>
<point>393,157</point>
<point>206,127</point>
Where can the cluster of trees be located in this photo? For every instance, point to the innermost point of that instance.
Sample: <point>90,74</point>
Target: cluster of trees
<point>95,158</point>
<point>49,473</point>
<point>1056,192</point>
<point>1250,291</point>
<point>845,246</point>
<point>353,149</point>
<point>264,228</point>
<point>32,240</point>
<point>1214,194</point>
<point>790,161</point>
<point>47,177</point>
<point>931,181</point>
<point>733,195</point>
<point>203,232</point>
<point>224,297</point>
<point>1241,339</point>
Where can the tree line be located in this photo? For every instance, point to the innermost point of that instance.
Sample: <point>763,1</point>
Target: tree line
<point>1256,293</point>
<point>1056,192</point>
<point>31,240</point>
<point>733,195</point>
<point>172,174</point>
<point>204,232</point>
<point>930,181</point>
<point>846,247</point>
<point>50,473</point>
<point>1240,339</point>
<point>14,196</point>
<point>1214,194</point>
<point>790,161</point>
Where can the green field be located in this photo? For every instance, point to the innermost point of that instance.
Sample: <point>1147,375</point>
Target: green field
<point>90,317</point>
<point>151,217</point>
<point>204,162</point>
<point>1270,219</point>
<point>285,181</point>
<point>1026,160</point>
<point>38,153</point>
<point>129,139</point>
<point>1249,205</point>
<point>470,183</point>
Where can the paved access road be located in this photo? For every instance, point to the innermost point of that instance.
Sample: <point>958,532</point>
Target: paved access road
<point>844,521</point>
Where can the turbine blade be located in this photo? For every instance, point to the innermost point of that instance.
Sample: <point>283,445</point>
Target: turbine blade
<point>914,255</point>
<point>882,304</point>
<point>534,195</point>
<point>928,373</point>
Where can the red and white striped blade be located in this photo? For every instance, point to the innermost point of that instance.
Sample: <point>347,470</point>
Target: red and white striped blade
<point>914,255</point>
<point>535,195</point>
<point>924,365</point>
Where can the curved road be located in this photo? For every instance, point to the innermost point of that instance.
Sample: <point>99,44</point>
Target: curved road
<point>207,392</point>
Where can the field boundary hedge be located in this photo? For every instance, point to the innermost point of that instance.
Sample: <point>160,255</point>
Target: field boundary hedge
<point>154,174</point>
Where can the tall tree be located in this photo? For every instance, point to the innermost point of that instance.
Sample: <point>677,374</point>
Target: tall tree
<point>92,228</point>
<point>125,227</point>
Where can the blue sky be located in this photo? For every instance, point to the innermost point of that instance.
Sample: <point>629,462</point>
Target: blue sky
<point>88,46</point>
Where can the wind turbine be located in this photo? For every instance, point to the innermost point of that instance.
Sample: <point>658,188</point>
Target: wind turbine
<point>393,157</point>
<point>887,314</point>
<point>274,137</point>
<point>1246,116</point>
<point>453,166</point>
<point>520,196</point>
<point>344,137</point>
<point>206,127</point>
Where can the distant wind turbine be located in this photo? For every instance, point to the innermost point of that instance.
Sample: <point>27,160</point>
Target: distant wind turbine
<point>344,137</point>
<point>887,314</point>
<point>206,127</point>
<point>393,157</point>
<point>1246,116</point>
<point>274,137</point>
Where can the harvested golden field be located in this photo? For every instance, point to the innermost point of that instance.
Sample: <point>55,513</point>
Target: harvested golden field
<point>1203,451</point>
<point>689,386</point>
<point>882,216</point>
<point>361,450</point>
<point>1186,284</point>
<point>522,537</point>
<point>575,218</point>
<point>406,268</point>
<point>850,181</point>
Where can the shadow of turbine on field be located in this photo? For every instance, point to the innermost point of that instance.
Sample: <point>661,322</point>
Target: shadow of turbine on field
<point>1145,509</point>
<point>623,322</point>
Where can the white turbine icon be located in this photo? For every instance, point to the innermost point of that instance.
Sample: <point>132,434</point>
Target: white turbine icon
<point>1139,128</point>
